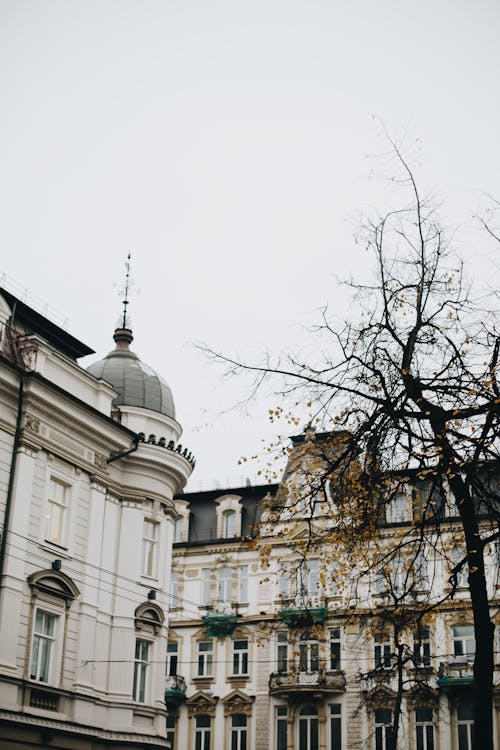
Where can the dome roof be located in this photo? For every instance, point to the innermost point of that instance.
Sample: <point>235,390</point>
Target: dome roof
<point>136,383</point>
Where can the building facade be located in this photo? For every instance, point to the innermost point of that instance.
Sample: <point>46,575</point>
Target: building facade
<point>275,645</point>
<point>90,462</point>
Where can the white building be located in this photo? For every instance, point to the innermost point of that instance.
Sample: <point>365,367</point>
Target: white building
<point>271,651</point>
<point>90,462</point>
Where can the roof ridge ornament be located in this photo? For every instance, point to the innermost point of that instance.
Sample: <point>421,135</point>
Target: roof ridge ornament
<point>123,336</point>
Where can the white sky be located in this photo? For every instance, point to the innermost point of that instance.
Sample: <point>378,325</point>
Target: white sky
<point>229,144</point>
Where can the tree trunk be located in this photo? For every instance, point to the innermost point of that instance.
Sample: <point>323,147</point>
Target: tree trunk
<point>483,626</point>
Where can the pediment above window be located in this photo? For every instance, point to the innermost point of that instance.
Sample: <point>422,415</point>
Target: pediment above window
<point>237,702</point>
<point>149,617</point>
<point>201,703</point>
<point>53,583</point>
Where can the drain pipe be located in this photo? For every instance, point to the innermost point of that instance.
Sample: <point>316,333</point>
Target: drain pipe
<point>12,473</point>
<point>125,453</point>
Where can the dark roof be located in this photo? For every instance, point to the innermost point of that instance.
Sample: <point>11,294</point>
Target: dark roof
<point>136,383</point>
<point>34,322</point>
<point>202,511</point>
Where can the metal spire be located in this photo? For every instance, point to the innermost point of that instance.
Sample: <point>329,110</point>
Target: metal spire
<point>126,288</point>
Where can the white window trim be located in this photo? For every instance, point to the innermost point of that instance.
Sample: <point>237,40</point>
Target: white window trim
<point>156,548</point>
<point>208,663</point>
<point>148,665</point>
<point>58,637</point>
<point>228,503</point>
<point>67,479</point>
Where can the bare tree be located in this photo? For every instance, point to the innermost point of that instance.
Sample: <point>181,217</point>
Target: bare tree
<point>413,385</point>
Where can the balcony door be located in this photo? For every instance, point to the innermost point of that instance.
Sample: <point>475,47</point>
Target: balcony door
<point>308,727</point>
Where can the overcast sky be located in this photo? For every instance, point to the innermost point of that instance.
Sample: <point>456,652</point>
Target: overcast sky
<point>232,147</point>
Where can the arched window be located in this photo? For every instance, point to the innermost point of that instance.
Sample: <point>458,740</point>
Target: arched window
<point>52,594</point>
<point>229,524</point>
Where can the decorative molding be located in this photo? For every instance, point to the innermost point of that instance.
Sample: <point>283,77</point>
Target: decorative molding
<point>32,423</point>
<point>38,722</point>
<point>100,460</point>
<point>237,702</point>
<point>201,703</point>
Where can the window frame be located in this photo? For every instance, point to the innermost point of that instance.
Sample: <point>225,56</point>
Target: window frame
<point>229,523</point>
<point>422,647</point>
<point>202,732</point>
<point>383,650</point>
<point>280,719</point>
<point>335,638</point>
<point>205,658</point>
<point>466,722</point>
<point>282,651</point>
<point>335,726</point>
<point>238,735</point>
<point>172,660</point>
<point>66,487</point>
<point>382,728</point>
<point>308,655</point>
<point>240,658</point>
<point>140,684</point>
<point>54,645</point>
<point>150,545</point>
<point>224,585</point>
<point>460,642</point>
<point>422,726</point>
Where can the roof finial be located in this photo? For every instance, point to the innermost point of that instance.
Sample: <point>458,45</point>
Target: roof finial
<point>123,334</point>
<point>125,320</point>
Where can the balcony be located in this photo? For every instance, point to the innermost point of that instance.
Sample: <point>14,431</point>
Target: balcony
<point>303,683</point>
<point>175,691</point>
<point>221,619</point>
<point>303,617</point>
<point>455,674</point>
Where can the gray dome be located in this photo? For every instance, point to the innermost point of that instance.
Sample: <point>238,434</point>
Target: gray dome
<point>136,383</point>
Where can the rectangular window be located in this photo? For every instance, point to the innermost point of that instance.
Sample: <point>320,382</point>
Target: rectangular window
<point>149,548</point>
<point>174,589</point>
<point>424,729</point>
<point>284,584</point>
<point>224,585</point>
<point>309,656</point>
<point>335,726</point>
<point>420,572</point>
<point>464,643</point>
<point>205,585</point>
<point>335,648</point>
<point>240,657</point>
<point>399,509</point>
<point>171,731</point>
<point>282,651</point>
<point>43,646</point>
<point>238,732</point>
<point>422,647</point>
<point>465,728</point>
<point>383,728</point>
<point>382,651</point>
<point>179,525</point>
<point>243,583</point>
<point>281,728</point>
<point>172,657</point>
<point>202,733</point>
<point>205,658</point>
<point>55,519</point>
<point>308,580</point>
<point>140,670</point>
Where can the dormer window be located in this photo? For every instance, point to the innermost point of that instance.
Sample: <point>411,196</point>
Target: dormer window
<point>181,523</point>
<point>229,524</point>
<point>228,509</point>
